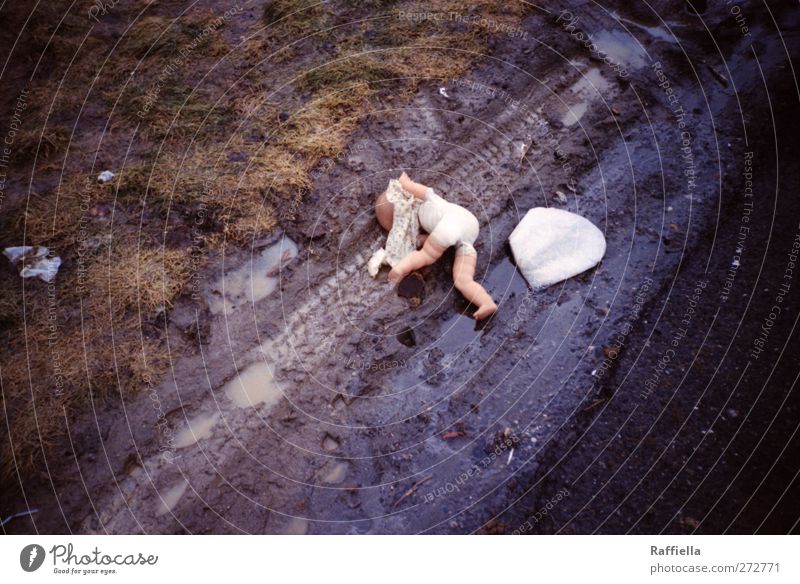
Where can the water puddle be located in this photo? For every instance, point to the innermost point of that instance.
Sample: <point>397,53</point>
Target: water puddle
<point>621,47</point>
<point>297,526</point>
<point>171,497</point>
<point>505,280</point>
<point>253,281</point>
<point>330,443</point>
<point>590,83</point>
<point>656,32</point>
<point>335,474</point>
<point>253,386</point>
<point>590,86</point>
<point>659,33</point>
<point>197,429</point>
<point>574,114</point>
<point>458,332</point>
<point>454,345</point>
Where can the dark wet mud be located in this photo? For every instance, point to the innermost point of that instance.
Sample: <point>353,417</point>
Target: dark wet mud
<point>627,399</point>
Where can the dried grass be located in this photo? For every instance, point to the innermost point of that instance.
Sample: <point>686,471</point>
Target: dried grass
<point>142,279</point>
<point>294,17</point>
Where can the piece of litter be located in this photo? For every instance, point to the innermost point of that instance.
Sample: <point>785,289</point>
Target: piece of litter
<point>105,176</point>
<point>412,490</point>
<point>719,76</point>
<point>551,245</point>
<point>33,261</point>
<point>510,456</point>
<point>562,198</point>
<point>523,147</point>
<point>443,93</point>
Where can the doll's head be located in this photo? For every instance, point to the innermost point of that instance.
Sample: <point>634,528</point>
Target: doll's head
<point>384,211</point>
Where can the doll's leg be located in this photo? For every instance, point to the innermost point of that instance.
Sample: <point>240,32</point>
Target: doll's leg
<point>464,280</point>
<point>429,253</point>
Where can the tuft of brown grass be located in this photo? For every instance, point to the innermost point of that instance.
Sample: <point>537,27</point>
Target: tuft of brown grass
<point>351,67</point>
<point>53,218</point>
<point>248,221</point>
<point>161,36</point>
<point>322,126</point>
<point>50,374</point>
<point>275,171</point>
<point>143,279</point>
<point>294,16</point>
<point>175,112</point>
<point>89,341</point>
<point>40,144</point>
<point>10,305</point>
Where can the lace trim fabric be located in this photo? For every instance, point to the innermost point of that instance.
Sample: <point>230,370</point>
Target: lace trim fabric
<point>402,238</point>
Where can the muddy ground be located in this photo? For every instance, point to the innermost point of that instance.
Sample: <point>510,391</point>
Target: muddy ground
<point>642,396</point>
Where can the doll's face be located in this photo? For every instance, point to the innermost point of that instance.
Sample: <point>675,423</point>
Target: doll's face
<point>384,211</point>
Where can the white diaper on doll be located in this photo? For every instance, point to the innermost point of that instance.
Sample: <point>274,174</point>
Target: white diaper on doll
<point>449,224</point>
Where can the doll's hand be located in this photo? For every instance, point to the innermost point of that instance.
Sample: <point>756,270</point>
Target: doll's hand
<point>394,277</point>
<point>416,189</point>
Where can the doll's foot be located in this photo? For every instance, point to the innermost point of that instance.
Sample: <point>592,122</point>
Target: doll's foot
<point>485,309</point>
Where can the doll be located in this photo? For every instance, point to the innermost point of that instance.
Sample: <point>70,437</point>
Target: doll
<point>447,225</point>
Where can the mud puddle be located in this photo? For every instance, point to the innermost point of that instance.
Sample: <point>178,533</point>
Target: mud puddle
<point>255,280</point>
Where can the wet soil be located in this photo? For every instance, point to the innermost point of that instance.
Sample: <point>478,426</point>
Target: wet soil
<point>334,405</point>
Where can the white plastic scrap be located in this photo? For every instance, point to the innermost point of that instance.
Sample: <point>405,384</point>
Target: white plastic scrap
<point>443,93</point>
<point>32,261</point>
<point>551,245</point>
<point>105,176</point>
<point>522,147</point>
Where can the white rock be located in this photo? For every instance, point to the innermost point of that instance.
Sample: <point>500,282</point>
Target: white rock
<point>551,245</point>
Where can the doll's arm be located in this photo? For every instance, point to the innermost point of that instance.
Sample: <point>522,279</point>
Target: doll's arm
<point>416,189</point>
